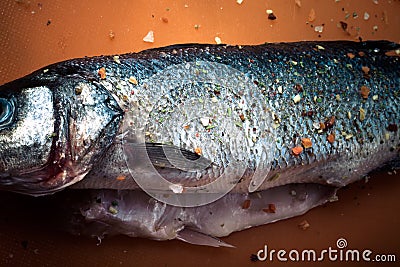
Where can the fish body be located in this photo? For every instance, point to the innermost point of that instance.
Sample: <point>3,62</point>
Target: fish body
<point>199,127</point>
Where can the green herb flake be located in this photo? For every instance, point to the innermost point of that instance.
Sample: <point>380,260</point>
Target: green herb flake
<point>239,124</point>
<point>112,210</point>
<point>275,177</point>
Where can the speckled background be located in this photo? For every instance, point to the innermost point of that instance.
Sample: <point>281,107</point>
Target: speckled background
<point>36,33</point>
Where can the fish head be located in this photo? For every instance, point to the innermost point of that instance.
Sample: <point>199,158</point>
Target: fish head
<point>53,128</point>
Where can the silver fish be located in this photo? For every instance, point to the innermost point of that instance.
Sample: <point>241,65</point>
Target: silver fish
<point>197,141</point>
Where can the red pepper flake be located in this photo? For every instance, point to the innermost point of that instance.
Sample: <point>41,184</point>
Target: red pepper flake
<point>365,69</point>
<point>308,113</point>
<point>102,73</point>
<point>246,204</point>
<point>322,126</point>
<point>186,127</point>
<point>242,118</point>
<point>198,150</point>
<point>164,19</point>
<point>392,127</point>
<point>329,123</point>
<point>311,15</point>
<point>393,53</point>
<point>297,150</point>
<point>304,225</point>
<point>364,91</point>
<point>271,208</point>
<point>306,142</point>
<point>197,135</point>
<point>299,87</point>
<point>361,53</point>
<point>350,55</point>
<point>121,178</point>
<point>331,138</point>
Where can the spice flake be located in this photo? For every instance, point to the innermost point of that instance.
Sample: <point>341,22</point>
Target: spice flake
<point>297,150</point>
<point>102,73</point>
<point>304,225</point>
<point>198,150</point>
<point>364,91</point>
<point>271,209</point>
<point>311,15</point>
<point>306,142</point>
<point>246,204</point>
<point>331,138</point>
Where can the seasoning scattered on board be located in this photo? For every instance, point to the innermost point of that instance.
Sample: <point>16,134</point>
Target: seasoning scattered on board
<point>271,15</point>
<point>311,15</point>
<point>149,38</point>
<point>304,225</point>
<point>111,35</point>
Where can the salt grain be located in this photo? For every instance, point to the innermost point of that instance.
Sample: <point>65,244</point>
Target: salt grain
<point>149,38</point>
<point>297,99</point>
<point>176,188</point>
<point>319,28</point>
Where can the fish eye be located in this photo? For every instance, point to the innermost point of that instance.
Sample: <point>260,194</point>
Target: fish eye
<point>7,109</point>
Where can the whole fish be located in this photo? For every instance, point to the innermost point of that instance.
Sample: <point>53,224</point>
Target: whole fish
<point>197,141</point>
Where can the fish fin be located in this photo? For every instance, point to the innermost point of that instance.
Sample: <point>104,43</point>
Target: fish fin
<point>197,238</point>
<point>173,157</point>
